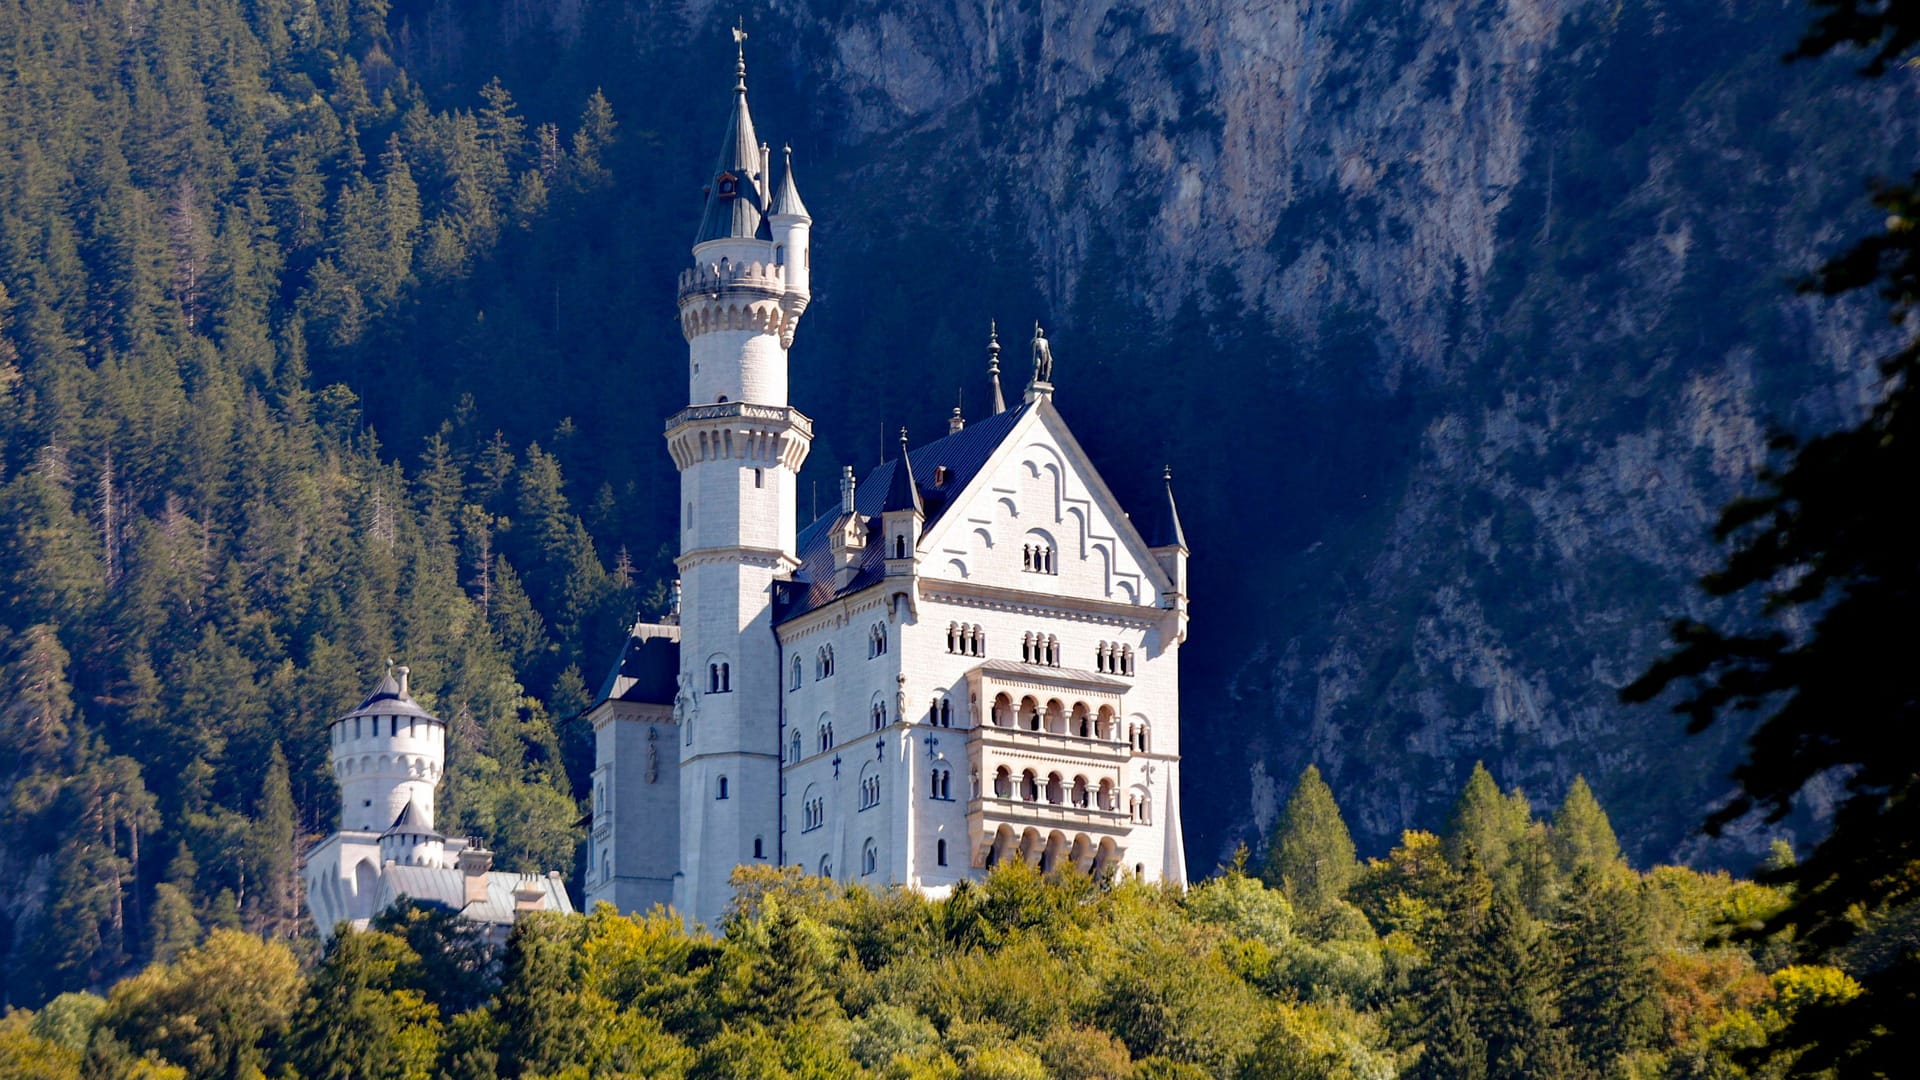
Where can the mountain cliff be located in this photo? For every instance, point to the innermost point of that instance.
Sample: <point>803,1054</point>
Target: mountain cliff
<point>1457,320</point>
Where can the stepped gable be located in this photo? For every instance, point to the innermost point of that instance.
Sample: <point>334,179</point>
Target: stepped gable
<point>963,454</point>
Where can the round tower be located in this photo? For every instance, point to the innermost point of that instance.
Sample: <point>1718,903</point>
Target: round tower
<point>738,446</point>
<point>388,755</point>
<point>412,841</point>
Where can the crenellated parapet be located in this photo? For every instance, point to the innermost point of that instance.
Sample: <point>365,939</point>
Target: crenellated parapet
<point>754,296</point>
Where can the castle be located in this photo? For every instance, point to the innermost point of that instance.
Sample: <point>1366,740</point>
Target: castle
<point>974,657</point>
<point>388,755</point>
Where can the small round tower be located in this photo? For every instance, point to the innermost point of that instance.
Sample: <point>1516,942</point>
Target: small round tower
<point>388,755</point>
<point>412,841</point>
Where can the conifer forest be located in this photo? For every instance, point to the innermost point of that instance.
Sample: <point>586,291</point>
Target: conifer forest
<point>338,333</point>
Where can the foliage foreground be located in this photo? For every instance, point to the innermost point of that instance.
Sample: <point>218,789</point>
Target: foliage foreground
<point>1512,948</point>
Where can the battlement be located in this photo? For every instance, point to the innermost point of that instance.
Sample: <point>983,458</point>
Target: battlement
<point>767,279</point>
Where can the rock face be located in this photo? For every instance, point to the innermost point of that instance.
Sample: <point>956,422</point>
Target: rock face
<point>1458,319</point>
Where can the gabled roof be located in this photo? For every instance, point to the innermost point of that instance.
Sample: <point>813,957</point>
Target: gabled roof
<point>447,888</point>
<point>647,671</point>
<point>961,455</point>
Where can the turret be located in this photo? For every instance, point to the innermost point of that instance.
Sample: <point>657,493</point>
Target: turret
<point>1168,542</point>
<point>387,755</point>
<point>792,231</point>
<point>849,538</point>
<point>412,840</point>
<point>901,515</point>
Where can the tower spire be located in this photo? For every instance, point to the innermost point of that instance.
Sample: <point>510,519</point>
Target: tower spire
<point>737,192</point>
<point>740,56</point>
<point>993,366</point>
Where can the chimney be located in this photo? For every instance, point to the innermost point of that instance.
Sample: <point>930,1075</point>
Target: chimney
<point>529,895</point>
<point>474,862</point>
<point>956,423</point>
<point>846,489</point>
<point>402,672</point>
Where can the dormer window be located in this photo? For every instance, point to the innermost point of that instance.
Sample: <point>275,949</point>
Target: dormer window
<point>941,474</point>
<point>727,185</point>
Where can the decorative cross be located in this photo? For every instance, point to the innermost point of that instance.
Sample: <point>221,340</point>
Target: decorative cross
<point>1147,771</point>
<point>836,766</point>
<point>879,749</point>
<point>932,745</point>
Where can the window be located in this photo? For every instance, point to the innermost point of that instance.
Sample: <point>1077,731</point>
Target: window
<point>759,478</point>
<point>940,713</point>
<point>900,547</point>
<point>869,790</point>
<point>795,678</point>
<point>1003,783</point>
<point>813,809</point>
<point>877,640</point>
<point>966,639</point>
<point>940,784</point>
<point>941,474</point>
<point>869,857</point>
<point>940,852</point>
<point>879,715</point>
<point>823,662</point>
<point>759,848</point>
<point>356,727</point>
<point>1037,559</point>
<point>779,254</point>
<point>1029,786</point>
<point>793,747</point>
<point>719,678</point>
<point>826,866</point>
<point>722,793</point>
<point>826,734</point>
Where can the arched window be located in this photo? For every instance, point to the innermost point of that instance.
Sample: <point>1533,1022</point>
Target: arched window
<point>1080,793</point>
<point>826,866</point>
<point>1056,791</point>
<point>940,784</point>
<point>869,787</point>
<point>1126,660</point>
<point>722,792</point>
<point>779,254</point>
<point>953,637</point>
<point>900,546</point>
<point>813,809</point>
<point>940,852</point>
<point>946,713</point>
<point>1032,709</point>
<point>1053,651</point>
<point>1026,648</point>
<point>793,747</point>
<point>869,857</point>
<point>796,674</point>
<point>1003,783</point>
<point>1029,786</point>
<point>879,715</point>
<point>759,848</point>
<point>826,734</point>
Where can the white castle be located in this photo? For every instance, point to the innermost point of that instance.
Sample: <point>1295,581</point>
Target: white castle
<point>973,658</point>
<point>388,755</point>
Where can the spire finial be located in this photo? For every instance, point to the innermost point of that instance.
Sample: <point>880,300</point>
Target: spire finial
<point>993,365</point>
<point>740,60</point>
<point>903,440</point>
<point>1166,473</point>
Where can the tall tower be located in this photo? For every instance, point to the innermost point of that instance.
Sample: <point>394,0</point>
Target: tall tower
<point>738,446</point>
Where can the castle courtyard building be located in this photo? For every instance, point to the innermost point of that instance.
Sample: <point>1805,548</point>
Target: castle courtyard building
<point>973,657</point>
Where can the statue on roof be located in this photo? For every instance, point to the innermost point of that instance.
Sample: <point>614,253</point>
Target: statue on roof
<point>1042,356</point>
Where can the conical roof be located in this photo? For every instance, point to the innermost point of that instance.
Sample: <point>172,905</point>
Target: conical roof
<point>735,206</point>
<point>412,822</point>
<point>1166,526</point>
<point>787,199</point>
<point>391,697</point>
<point>902,492</point>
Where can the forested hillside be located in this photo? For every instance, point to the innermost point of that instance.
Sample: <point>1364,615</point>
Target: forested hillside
<point>1512,949</point>
<point>333,332</point>
<point>206,552</point>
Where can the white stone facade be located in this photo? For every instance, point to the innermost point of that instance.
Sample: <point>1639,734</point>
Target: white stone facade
<point>982,665</point>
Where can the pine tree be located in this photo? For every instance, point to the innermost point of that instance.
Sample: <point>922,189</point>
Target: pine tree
<point>273,908</point>
<point>1311,856</point>
<point>1608,992</point>
<point>1491,823</point>
<point>1582,836</point>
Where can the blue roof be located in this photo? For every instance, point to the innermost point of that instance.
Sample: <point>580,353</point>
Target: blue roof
<point>733,195</point>
<point>962,455</point>
<point>647,671</point>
